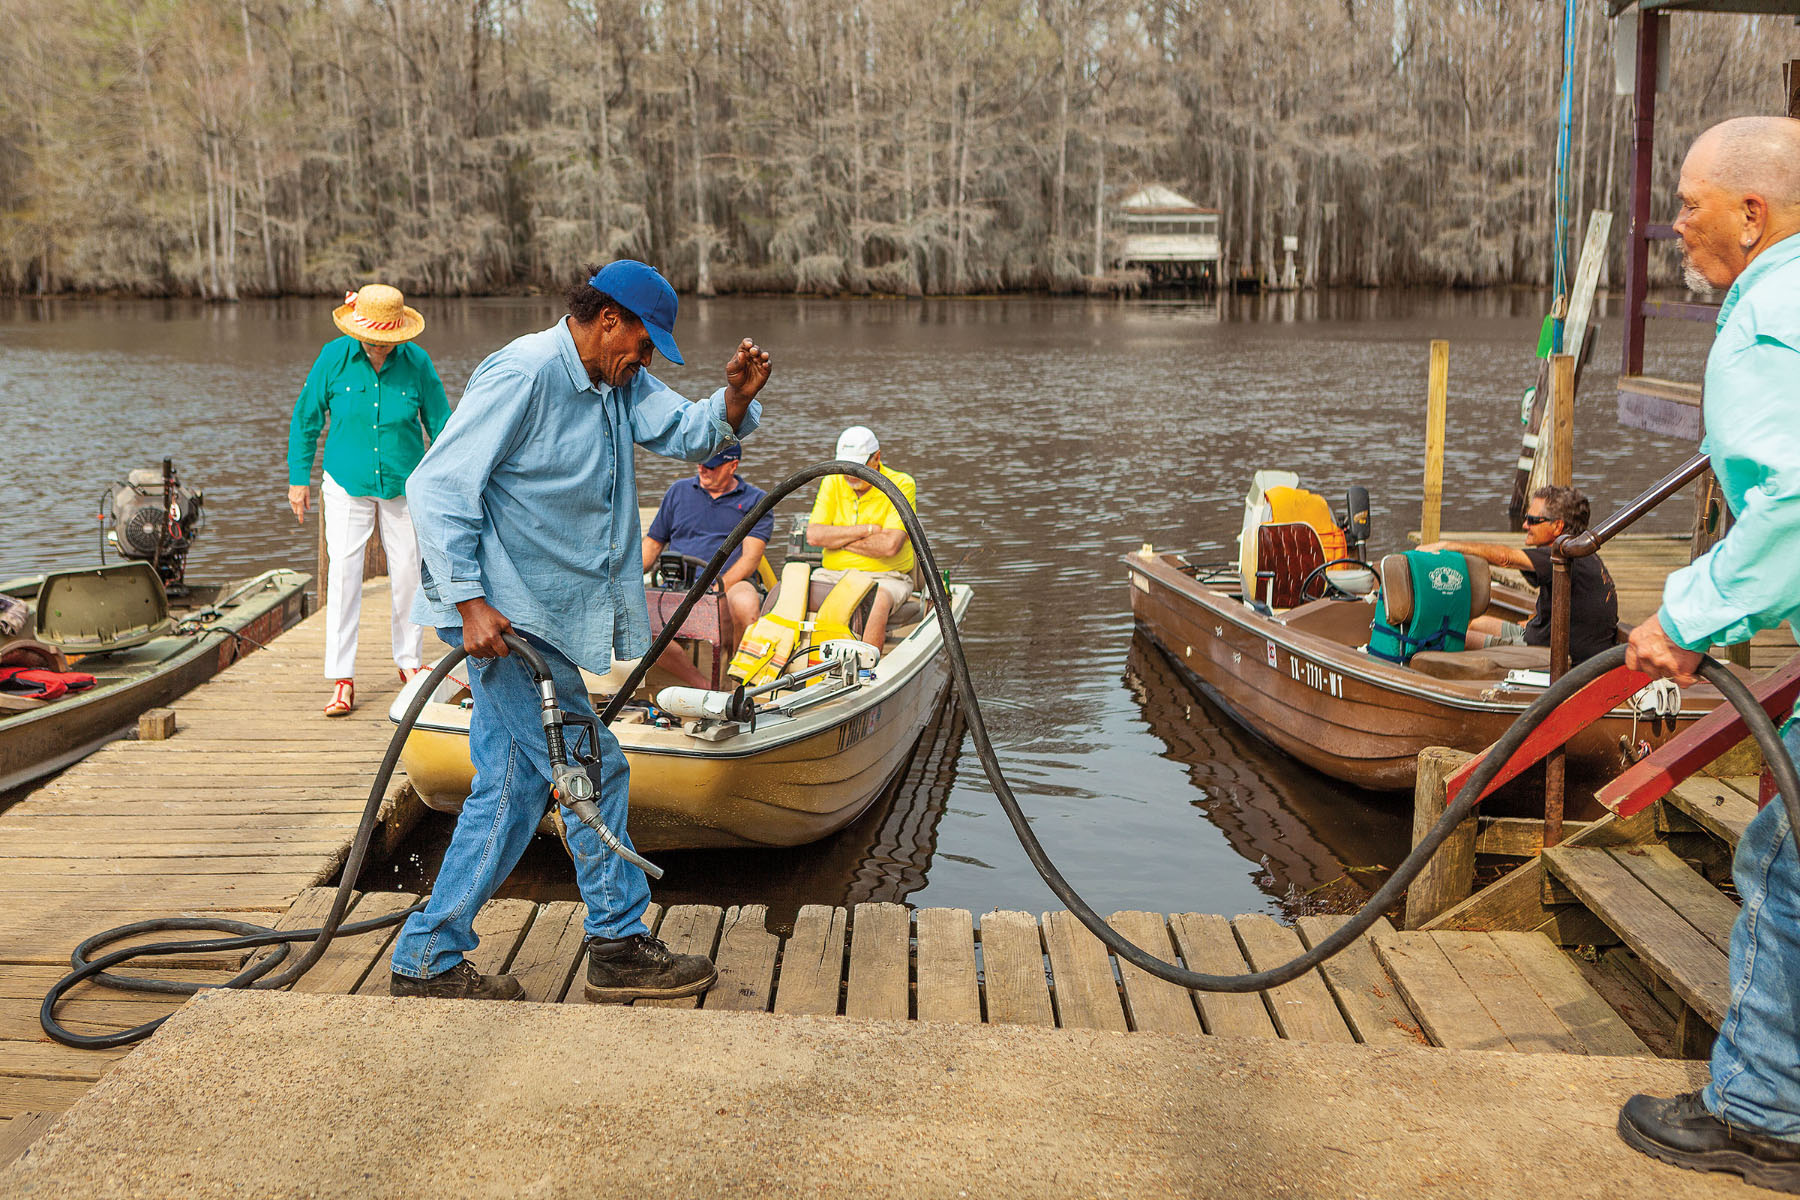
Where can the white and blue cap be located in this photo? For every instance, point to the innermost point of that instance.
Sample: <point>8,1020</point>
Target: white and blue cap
<point>647,296</point>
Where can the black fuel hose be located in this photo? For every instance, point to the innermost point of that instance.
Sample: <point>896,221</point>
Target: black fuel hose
<point>1384,898</point>
<point>259,974</point>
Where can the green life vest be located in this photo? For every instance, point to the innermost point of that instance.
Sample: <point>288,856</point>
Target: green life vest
<point>1439,619</point>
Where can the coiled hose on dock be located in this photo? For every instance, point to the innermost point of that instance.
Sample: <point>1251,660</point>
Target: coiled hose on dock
<point>260,974</point>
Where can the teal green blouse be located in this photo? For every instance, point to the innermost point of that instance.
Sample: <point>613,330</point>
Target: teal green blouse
<point>378,422</point>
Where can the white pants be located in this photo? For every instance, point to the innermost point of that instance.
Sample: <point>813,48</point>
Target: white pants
<point>348,523</point>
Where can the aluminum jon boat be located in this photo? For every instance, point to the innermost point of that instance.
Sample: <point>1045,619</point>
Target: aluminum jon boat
<point>818,755</point>
<point>143,646</point>
<point>1292,664</point>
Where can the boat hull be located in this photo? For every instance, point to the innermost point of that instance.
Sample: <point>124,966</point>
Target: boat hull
<point>1357,719</point>
<point>783,785</point>
<point>34,744</point>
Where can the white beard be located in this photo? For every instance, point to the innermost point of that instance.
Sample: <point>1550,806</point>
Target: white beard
<point>1691,276</point>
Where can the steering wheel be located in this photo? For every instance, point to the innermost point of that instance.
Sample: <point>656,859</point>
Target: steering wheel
<point>1331,590</point>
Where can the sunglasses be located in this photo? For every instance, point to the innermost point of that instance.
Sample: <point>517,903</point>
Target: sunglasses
<point>1528,521</point>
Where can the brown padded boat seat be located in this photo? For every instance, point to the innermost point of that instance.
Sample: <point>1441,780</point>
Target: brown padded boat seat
<point>1343,621</point>
<point>1285,556</point>
<point>1490,662</point>
<point>1396,587</point>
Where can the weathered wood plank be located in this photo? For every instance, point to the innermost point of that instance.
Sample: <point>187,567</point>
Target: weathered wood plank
<point>1154,1005</point>
<point>1302,1009</point>
<point>878,986</point>
<point>747,954</point>
<point>1081,976</point>
<point>689,929</point>
<point>949,988</point>
<point>1209,947</point>
<point>1720,808</point>
<point>1368,999</point>
<point>551,953</point>
<point>1446,879</point>
<point>1691,964</point>
<point>348,959</point>
<point>812,963</point>
<point>1578,1006</point>
<point>1449,1012</point>
<point>49,1060</point>
<point>24,1093</point>
<point>1700,903</point>
<point>20,1131</point>
<point>1506,993</point>
<point>1012,970</point>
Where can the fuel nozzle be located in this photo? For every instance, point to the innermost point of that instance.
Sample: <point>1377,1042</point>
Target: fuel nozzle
<point>570,784</point>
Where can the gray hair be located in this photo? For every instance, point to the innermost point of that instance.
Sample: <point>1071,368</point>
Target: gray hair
<point>1565,504</point>
<point>1756,156</point>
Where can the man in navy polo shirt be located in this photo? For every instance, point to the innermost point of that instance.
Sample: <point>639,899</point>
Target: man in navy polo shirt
<point>695,516</point>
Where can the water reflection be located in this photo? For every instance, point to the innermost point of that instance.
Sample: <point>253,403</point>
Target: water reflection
<point>1320,846</point>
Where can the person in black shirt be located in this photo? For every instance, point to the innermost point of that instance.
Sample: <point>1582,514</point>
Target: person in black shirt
<point>1593,600</point>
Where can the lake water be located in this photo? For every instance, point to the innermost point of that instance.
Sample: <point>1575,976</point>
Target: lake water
<point>1049,438</point>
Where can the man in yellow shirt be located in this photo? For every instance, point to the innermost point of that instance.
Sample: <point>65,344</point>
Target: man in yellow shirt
<point>859,530</point>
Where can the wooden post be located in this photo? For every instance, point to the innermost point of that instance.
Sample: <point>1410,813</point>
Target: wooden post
<point>1643,134</point>
<point>156,724</point>
<point>1450,875</point>
<point>1436,402</point>
<point>1790,82</point>
<point>1562,420</point>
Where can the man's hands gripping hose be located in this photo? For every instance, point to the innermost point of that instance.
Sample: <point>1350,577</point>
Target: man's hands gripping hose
<point>484,629</point>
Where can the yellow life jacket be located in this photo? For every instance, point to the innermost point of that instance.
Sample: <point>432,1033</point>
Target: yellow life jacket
<point>769,643</point>
<point>832,621</point>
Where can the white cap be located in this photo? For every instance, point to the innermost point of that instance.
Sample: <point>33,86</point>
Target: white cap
<point>856,444</point>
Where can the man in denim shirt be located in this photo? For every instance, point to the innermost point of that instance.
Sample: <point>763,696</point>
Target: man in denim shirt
<point>526,512</point>
<point>1740,230</point>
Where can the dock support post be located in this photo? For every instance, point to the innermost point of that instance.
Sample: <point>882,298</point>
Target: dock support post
<point>1643,134</point>
<point>1449,877</point>
<point>1562,474</point>
<point>1436,402</point>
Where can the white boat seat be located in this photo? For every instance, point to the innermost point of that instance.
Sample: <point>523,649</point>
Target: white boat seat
<point>1490,662</point>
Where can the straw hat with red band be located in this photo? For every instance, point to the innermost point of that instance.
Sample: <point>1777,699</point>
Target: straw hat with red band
<point>378,313</point>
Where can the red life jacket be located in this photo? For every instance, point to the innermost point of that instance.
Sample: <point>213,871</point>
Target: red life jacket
<point>41,684</point>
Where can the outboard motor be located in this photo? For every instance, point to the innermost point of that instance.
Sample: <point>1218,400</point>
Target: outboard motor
<point>154,518</point>
<point>1356,520</point>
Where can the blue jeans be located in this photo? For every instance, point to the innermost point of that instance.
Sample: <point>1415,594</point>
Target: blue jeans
<point>511,791</point>
<point>1756,1059</point>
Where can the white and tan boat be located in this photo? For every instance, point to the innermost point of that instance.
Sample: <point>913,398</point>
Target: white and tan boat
<point>815,757</point>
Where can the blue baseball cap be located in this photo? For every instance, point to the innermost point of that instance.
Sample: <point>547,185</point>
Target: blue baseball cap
<point>731,453</point>
<point>642,289</point>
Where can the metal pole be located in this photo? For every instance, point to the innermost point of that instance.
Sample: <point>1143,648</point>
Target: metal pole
<point>1643,130</point>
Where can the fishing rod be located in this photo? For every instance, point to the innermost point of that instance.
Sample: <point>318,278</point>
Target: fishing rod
<point>257,975</point>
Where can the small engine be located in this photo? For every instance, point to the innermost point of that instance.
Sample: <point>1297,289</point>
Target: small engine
<point>155,518</point>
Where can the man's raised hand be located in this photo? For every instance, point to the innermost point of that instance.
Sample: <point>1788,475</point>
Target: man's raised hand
<point>748,369</point>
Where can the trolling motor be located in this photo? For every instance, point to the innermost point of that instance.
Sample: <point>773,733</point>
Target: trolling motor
<point>153,517</point>
<point>840,670</point>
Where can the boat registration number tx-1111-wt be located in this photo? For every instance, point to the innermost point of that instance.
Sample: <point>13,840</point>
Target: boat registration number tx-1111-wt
<point>1311,674</point>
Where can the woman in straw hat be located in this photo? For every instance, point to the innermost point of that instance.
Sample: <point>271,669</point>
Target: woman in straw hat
<point>383,398</point>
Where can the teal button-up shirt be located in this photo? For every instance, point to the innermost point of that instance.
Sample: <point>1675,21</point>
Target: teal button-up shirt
<point>1750,580</point>
<point>529,499</point>
<point>378,421</point>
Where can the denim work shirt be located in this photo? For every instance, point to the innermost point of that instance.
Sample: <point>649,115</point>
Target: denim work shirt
<point>529,498</point>
<point>379,420</point>
<point>1750,580</point>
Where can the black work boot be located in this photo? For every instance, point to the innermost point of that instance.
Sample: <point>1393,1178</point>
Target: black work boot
<point>1681,1132</point>
<point>461,982</point>
<point>642,968</point>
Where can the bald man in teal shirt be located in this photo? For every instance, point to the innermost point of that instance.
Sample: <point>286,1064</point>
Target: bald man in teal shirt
<point>1740,230</point>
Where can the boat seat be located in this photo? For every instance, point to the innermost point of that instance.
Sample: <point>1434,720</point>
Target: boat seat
<point>1285,555</point>
<point>1396,587</point>
<point>1490,662</point>
<point>1342,621</point>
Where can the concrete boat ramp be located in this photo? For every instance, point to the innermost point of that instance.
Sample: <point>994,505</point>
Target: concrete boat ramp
<point>286,1095</point>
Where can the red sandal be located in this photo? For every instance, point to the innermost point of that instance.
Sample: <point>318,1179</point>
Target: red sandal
<point>343,699</point>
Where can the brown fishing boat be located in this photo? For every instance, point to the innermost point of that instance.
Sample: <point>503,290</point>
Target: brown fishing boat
<point>1280,640</point>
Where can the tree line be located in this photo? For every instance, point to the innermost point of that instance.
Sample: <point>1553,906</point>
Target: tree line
<point>231,148</point>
